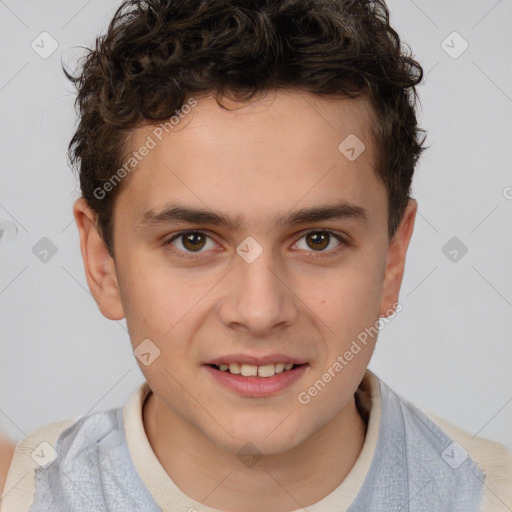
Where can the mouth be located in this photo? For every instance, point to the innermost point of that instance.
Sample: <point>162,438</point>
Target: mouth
<point>256,381</point>
<point>265,371</point>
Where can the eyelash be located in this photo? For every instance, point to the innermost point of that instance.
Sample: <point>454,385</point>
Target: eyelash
<point>196,255</point>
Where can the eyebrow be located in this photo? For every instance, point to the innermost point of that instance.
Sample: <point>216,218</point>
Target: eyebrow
<point>173,213</point>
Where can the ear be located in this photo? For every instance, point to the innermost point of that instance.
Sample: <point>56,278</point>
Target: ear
<point>395,263</point>
<point>99,266</point>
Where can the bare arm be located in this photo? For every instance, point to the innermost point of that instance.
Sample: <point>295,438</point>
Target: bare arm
<point>6,453</point>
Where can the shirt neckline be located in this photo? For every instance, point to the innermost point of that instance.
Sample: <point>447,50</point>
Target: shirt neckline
<point>169,496</point>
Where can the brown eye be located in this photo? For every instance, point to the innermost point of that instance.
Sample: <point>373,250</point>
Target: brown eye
<point>321,242</point>
<point>188,242</point>
<point>318,240</point>
<point>193,241</point>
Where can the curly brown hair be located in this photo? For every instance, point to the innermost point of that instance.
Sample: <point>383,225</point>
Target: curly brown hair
<point>157,54</point>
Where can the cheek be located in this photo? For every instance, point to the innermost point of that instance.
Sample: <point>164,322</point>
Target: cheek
<point>148,299</point>
<point>348,298</point>
<point>167,309</point>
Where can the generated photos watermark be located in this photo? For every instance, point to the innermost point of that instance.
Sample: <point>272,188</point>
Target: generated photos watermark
<point>151,143</point>
<point>343,360</point>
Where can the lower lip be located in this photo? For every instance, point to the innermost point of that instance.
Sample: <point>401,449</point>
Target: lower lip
<point>257,386</point>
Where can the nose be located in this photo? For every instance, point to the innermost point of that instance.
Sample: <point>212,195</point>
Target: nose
<point>257,297</point>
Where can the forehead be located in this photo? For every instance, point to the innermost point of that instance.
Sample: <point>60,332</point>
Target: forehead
<point>285,149</point>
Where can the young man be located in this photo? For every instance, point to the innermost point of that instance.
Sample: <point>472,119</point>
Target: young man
<point>245,170</point>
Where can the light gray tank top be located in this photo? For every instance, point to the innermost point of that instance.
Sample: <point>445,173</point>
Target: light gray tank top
<point>416,467</point>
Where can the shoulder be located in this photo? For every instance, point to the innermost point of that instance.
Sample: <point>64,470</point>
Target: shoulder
<point>441,463</point>
<point>20,485</point>
<point>494,459</point>
<point>54,450</point>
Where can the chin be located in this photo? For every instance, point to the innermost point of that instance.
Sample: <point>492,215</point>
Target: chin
<point>265,437</point>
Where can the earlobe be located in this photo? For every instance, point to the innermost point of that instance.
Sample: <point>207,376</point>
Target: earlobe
<point>100,269</point>
<point>395,264</point>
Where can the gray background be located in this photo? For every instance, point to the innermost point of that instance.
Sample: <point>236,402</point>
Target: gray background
<point>449,350</point>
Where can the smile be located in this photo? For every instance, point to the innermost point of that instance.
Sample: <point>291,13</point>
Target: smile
<point>250,370</point>
<point>249,380</point>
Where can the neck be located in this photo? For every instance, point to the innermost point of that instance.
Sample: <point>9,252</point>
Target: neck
<point>277,483</point>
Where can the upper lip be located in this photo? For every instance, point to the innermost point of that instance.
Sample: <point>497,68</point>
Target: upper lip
<point>256,361</point>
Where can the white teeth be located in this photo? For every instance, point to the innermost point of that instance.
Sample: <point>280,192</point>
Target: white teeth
<point>234,368</point>
<point>267,371</point>
<point>280,367</point>
<point>250,370</point>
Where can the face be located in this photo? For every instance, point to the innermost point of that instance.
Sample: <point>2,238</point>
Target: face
<point>247,236</point>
